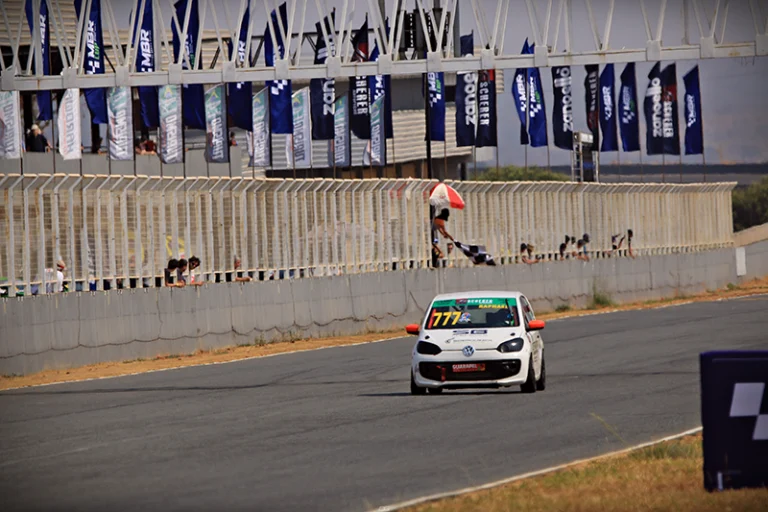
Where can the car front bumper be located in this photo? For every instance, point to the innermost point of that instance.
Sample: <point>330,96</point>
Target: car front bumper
<point>507,371</point>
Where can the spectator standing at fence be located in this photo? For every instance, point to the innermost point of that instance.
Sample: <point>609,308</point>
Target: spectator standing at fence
<point>526,254</point>
<point>148,145</point>
<point>173,265</point>
<point>630,234</point>
<point>36,141</point>
<point>581,249</point>
<point>194,264</point>
<point>181,279</point>
<point>563,255</point>
<point>232,139</point>
<point>138,147</point>
<point>237,275</point>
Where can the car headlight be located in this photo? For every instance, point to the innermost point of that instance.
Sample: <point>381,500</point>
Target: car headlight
<point>425,347</point>
<point>515,345</point>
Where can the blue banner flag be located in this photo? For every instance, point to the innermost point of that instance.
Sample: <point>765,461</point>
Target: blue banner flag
<point>608,110</point>
<point>192,95</point>
<point>466,99</point>
<point>94,60</point>
<point>592,100</point>
<point>537,125</point>
<point>629,121</point>
<point>145,63</point>
<point>381,86</point>
<point>670,123</point>
<point>322,91</point>
<point>436,90</point>
<point>694,127</point>
<point>360,117</point>
<point>486,109</point>
<point>240,93</point>
<point>520,94</point>
<point>280,91</point>
<point>562,110</point>
<point>654,113</point>
<point>44,105</point>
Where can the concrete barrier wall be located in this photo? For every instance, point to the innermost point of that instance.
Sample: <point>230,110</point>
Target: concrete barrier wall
<point>65,330</point>
<point>756,260</point>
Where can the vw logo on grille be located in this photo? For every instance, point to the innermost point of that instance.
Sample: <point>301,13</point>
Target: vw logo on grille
<point>468,350</point>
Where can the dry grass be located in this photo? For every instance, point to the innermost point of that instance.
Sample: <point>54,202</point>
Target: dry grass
<point>664,477</point>
<point>161,362</point>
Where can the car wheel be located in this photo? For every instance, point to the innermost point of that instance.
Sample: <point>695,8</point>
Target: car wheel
<point>416,390</point>
<point>541,384</point>
<point>530,383</point>
<point>435,391</point>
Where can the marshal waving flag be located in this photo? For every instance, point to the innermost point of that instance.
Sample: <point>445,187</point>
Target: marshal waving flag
<point>302,137</point>
<point>70,138</point>
<point>216,142</point>
<point>94,60</point>
<point>562,110</point>
<point>10,125</point>
<point>240,92</point>
<point>466,98</point>
<point>592,100</point>
<point>44,103</point>
<point>537,126</point>
<point>170,122</point>
<point>322,91</point>
<point>654,113</point>
<point>629,121</point>
<point>670,123</point>
<point>341,146</point>
<point>192,95</point>
<point>280,91</point>
<point>262,140</point>
<point>360,118</point>
<point>694,127</point>
<point>145,63</point>
<point>120,125</point>
<point>520,95</point>
<point>486,109</point>
<point>436,91</point>
<point>607,110</point>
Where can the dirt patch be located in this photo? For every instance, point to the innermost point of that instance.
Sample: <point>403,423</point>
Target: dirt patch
<point>222,355</point>
<point>662,477</point>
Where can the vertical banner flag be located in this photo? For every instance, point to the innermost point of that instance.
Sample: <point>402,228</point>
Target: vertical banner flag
<point>520,94</point>
<point>654,132</point>
<point>381,86</point>
<point>322,91</point>
<point>537,126</point>
<point>10,125</point>
<point>562,111</point>
<point>120,116</point>
<point>486,108</point>
<point>629,122</point>
<point>591,86</point>
<point>44,104</point>
<point>94,60</point>
<point>240,93</point>
<point>145,63</point>
<point>670,123</point>
<point>466,98</point>
<point>436,106</point>
<point>280,109</point>
<point>216,142</point>
<point>694,127</point>
<point>378,139</point>
<point>302,137</point>
<point>193,97</point>
<point>69,125</point>
<point>607,110</point>
<point>170,122</point>
<point>359,120</point>
<point>341,132</point>
<point>261,136</point>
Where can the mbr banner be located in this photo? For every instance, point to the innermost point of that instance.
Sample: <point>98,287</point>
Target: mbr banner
<point>94,60</point>
<point>341,149</point>
<point>694,128</point>
<point>302,137</point>
<point>120,123</point>
<point>629,122</point>
<point>378,140</point>
<point>44,102</point>
<point>216,144</point>
<point>10,125</point>
<point>261,156</point>
<point>69,125</point>
<point>436,106</point>
<point>171,142</point>
<point>607,110</point>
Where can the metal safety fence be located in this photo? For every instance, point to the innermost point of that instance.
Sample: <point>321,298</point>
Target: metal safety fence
<point>119,231</point>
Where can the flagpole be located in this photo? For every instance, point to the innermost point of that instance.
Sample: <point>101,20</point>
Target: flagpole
<point>663,167</point>
<point>293,156</point>
<point>474,161</point>
<point>333,150</point>
<point>527,117</point>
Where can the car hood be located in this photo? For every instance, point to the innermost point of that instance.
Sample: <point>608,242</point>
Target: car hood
<point>480,339</point>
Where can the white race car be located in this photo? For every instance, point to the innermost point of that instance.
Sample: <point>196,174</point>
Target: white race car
<point>478,339</point>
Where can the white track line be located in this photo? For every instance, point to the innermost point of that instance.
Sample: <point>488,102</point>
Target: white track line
<point>603,312</point>
<point>467,490</point>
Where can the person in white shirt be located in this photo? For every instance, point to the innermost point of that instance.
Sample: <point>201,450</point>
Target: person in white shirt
<point>60,268</point>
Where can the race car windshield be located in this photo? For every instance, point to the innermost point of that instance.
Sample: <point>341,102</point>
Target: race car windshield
<point>473,314</point>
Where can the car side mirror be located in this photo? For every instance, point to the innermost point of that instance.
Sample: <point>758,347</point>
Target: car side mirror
<point>413,329</point>
<point>536,325</point>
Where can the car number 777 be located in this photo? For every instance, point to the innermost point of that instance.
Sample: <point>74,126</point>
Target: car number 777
<point>450,316</point>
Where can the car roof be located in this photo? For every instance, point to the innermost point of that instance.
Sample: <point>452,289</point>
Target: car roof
<point>478,295</point>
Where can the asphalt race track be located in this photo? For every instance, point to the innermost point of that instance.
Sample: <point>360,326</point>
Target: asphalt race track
<point>337,429</point>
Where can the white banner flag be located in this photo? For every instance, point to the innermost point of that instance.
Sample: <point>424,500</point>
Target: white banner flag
<point>260,138</point>
<point>70,137</point>
<point>120,123</point>
<point>10,126</point>
<point>302,130</point>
